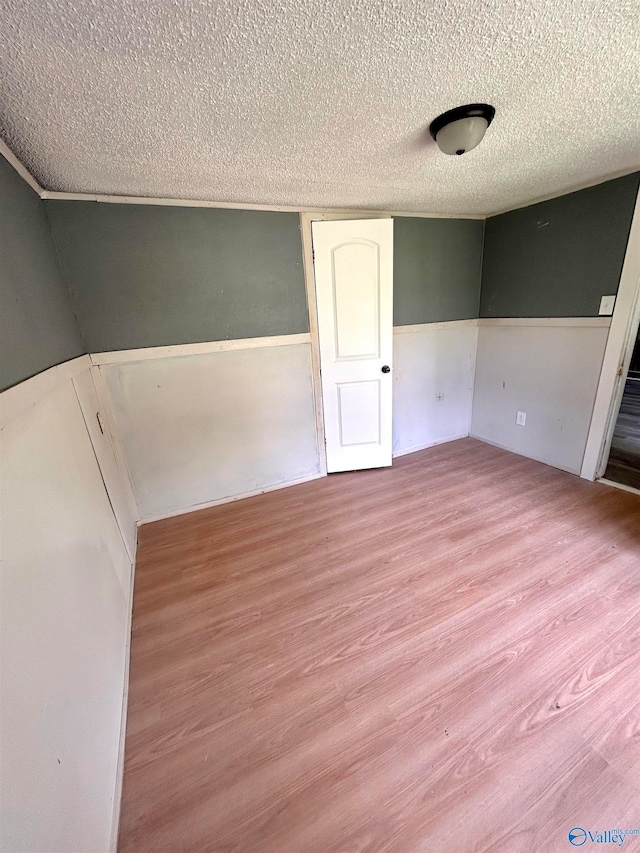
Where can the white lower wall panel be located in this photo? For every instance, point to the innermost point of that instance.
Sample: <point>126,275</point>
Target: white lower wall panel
<point>200,428</point>
<point>433,383</point>
<point>66,578</point>
<point>116,481</point>
<point>550,372</point>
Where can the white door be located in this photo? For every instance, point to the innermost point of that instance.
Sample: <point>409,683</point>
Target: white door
<point>353,264</point>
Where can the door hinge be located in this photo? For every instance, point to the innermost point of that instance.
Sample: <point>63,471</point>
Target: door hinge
<point>100,424</point>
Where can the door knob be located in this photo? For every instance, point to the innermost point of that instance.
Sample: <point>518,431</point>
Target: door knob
<point>386,368</point>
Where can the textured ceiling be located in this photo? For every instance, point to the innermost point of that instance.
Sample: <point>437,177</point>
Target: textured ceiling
<point>320,103</point>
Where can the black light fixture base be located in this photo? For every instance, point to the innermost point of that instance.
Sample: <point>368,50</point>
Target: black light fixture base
<point>485,111</point>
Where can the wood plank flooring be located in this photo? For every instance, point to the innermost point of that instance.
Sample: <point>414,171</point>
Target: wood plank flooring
<point>439,656</point>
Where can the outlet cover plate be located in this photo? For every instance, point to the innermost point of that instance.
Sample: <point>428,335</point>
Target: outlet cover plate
<point>521,418</point>
<point>607,304</point>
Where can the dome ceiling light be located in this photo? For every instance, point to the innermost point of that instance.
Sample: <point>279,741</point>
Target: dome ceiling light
<point>461,129</point>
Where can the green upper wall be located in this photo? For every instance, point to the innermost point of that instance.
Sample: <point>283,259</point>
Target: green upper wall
<point>436,269</point>
<point>37,326</point>
<point>144,275</point>
<point>559,257</point>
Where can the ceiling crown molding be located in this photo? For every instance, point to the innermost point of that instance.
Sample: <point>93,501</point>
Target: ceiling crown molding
<point>24,173</point>
<point>321,212</point>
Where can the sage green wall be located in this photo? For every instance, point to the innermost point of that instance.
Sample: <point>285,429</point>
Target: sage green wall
<point>437,267</point>
<point>145,275</point>
<point>37,326</point>
<point>559,257</point>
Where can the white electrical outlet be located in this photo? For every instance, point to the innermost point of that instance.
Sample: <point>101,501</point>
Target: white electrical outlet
<point>607,304</point>
<point>521,418</point>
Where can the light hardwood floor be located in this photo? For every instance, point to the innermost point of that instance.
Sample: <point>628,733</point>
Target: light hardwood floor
<point>440,656</point>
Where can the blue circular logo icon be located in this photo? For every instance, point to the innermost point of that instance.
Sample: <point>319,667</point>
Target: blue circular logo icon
<point>577,836</point>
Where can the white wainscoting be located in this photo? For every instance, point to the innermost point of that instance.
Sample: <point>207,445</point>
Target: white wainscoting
<point>548,368</point>
<point>433,383</point>
<point>196,429</point>
<point>206,423</point>
<point>65,608</point>
<point>97,416</point>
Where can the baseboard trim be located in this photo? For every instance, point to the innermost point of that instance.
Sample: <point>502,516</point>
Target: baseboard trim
<point>497,444</point>
<point>419,447</point>
<point>621,486</point>
<point>231,499</point>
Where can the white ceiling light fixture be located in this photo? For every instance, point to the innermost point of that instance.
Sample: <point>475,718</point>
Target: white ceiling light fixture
<point>461,129</point>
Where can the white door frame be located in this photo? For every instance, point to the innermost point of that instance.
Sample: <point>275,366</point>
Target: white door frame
<point>306,218</point>
<point>617,357</point>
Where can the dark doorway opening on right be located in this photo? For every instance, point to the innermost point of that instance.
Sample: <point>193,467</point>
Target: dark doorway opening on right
<point>624,457</point>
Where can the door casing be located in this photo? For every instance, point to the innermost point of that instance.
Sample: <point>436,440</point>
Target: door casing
<point>306,220</point>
